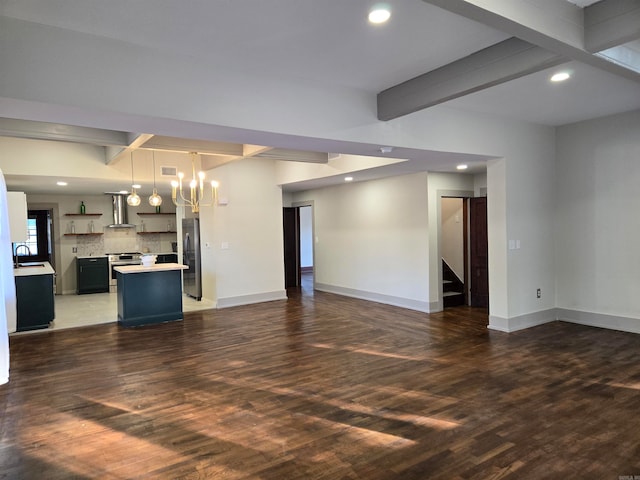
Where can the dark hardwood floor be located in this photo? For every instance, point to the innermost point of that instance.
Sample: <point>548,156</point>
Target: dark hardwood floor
<point>322,387</point>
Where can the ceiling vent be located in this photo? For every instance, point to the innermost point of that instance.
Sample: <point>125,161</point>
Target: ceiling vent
<point>169,171</point>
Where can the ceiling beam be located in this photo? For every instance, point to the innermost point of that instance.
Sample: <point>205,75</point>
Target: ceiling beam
<point>174,144</point>
<point>499,63</point>
<point>134,141</point>
<point>293,155</point>
<point>213,161</point>
<point>10,127</point>
<point>552,25</point>
<point>546,33</point>
<point>610,23</point>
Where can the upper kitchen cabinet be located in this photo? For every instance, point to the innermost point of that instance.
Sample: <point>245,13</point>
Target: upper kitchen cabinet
<point>17,203</point>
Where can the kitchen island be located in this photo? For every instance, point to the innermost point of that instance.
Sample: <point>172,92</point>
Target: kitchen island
<point>149,294</point>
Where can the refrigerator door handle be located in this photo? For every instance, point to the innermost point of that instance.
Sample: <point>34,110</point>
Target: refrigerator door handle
<point>186,248</point>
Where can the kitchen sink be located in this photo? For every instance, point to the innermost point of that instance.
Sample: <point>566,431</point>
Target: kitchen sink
<point>30,264</point>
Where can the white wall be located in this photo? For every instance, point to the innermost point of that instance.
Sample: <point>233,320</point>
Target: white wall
<point>597,224</point>
<point>372,240</point>
<point>242,246</point>
<point>452,235</point>
<point>480,185</point>
<point>521,205</point>
<point>306,237</point>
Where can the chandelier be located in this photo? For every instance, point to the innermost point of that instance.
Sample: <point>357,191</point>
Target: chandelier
<point>197,196</point>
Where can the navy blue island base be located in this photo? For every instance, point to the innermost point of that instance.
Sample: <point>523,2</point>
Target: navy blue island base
<point>149,295</point>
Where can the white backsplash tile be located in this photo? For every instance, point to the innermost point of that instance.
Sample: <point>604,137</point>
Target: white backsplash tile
<point>118,240</point>
<point>90,245</point>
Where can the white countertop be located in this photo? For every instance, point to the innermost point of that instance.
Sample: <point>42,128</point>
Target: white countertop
<point>158,267</point>
<point>34,268</point>
<point>91,256</point>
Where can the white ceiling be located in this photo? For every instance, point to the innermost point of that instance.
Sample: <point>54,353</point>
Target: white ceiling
<point>327,41</point>
<point>330,42</point>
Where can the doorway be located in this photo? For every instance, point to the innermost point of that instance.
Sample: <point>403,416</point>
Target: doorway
<point>464,251</point>
<point>298,244</point>
<point>38,247</point>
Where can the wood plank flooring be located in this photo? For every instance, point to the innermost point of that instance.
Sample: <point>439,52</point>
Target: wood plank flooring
<point>322,387</point>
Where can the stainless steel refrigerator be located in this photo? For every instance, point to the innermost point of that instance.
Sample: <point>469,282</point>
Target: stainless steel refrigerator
<point>192,277</point>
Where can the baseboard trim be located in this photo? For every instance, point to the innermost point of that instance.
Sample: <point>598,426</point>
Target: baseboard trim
<point>521,322</point>
<point>425,307</point>
<point>250,299</point>
<point>600,320</point>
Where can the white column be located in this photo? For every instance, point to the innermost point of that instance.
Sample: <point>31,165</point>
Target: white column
<point>7,285</point>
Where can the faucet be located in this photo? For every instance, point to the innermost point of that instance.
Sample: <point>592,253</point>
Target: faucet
<point>16,252</point>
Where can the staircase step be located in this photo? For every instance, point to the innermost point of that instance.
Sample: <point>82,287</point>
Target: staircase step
<point>452,299</point>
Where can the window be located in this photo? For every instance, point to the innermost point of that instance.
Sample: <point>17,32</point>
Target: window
<point>32,230</point>
<point>37,248</point>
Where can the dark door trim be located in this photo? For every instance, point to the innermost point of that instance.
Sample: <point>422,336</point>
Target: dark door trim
<point>479,252</point>
<point>291,240</point>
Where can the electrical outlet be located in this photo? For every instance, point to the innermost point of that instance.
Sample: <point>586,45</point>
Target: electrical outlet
<point>74,250</point>
<point>539,293</point>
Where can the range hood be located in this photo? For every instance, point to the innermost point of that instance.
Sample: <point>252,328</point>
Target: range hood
<point>119,204</point>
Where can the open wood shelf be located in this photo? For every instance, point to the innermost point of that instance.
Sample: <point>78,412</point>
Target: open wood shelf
<point>82,214</point>
<point>153,233</point>
<point>150,214</point>
<point>78,234</point>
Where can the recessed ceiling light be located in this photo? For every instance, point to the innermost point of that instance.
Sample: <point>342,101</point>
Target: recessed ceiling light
<point>560,77</point>
<point>379,14</point>
<point>348,179</point>
<point>462,167</point>
<point>62,184</point>
<point>386,149</point>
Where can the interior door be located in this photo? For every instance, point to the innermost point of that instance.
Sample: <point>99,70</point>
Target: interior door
<point>479,252</point>
<point>291,230</point>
